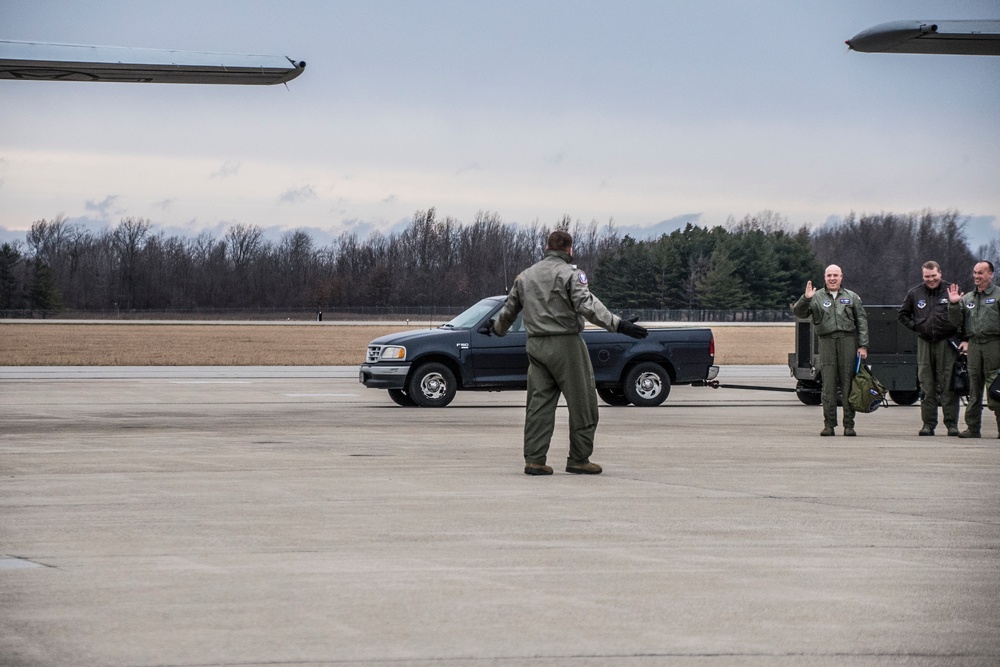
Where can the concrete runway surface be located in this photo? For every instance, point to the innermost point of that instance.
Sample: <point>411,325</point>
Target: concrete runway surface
<point>289,516</point>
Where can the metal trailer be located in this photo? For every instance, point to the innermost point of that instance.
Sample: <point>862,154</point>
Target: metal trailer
<point>892,354</point>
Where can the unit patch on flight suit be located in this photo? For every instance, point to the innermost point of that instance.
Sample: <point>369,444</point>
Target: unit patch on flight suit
<point>921,304</point>
<point>583,278</point>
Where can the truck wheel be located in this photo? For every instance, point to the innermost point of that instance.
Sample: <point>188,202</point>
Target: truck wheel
<point>612,396</point>
<point>646,385</point>
<point>904,397</point>
<point>432,386</point>
<point>399,397</point>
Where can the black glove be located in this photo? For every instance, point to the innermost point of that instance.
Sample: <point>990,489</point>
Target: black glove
<point>490,329</point>
<point>629,328</point>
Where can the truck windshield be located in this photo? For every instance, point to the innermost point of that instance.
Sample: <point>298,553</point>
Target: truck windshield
<point>471,316</point>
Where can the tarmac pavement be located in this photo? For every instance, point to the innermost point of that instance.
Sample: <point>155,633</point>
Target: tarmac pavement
<point>289,516</point>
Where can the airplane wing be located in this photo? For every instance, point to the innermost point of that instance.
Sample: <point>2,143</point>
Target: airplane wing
<point>66,62</point>
<point>965,38</point>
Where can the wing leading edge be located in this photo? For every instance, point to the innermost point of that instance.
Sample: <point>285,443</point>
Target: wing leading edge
<point>67,62</point>
<point>964,38</point>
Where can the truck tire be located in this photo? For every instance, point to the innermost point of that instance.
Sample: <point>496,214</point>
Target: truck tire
<point>432,385</point>
<point>400,397</point>
<point>901,397</point>
<point>613,396</point>
<point>646,385</point>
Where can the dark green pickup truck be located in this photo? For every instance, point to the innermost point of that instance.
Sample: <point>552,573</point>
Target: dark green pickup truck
<point>426,368</point>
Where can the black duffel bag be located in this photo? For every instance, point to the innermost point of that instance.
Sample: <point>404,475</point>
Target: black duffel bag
<point>993,393</point>
<point>960,376</point>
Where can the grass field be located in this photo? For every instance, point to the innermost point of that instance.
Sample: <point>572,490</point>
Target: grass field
<point>75,343</point>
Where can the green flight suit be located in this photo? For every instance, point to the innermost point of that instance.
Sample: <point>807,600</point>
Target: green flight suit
<point>556,301</point>
<point>978,315</point>
<point>842,326</point>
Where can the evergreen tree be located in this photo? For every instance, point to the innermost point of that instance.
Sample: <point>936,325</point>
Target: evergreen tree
<point>11,293</point>
<point>627,277</point>
<point>44,292</point>
<point>682,259</point>
<point>722,288</point>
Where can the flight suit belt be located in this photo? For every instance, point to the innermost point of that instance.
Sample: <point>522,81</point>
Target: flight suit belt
<point>839,334</point>
<point>984,339</point>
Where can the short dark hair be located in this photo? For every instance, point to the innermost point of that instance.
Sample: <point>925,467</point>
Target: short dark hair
<point>932,265</point>
<point>987,263</point>
<point>560,240</point>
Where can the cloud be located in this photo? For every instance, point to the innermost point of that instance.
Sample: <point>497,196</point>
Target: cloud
<point>228,168</point>
<point>163,205</point>
<point>298,195</point>
<point>659,229</point>
<point>390,199</point>
<point>102,207</point>
<point>980,230</point>
<point>11,236</point>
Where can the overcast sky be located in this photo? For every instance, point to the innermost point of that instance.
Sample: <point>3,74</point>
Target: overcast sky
<point>637,112</point>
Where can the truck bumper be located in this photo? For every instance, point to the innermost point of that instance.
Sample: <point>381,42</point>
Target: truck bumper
<point>713,372</point>
<point>378,376</point>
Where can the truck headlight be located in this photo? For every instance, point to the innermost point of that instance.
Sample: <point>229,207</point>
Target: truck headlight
<point>395,352</point>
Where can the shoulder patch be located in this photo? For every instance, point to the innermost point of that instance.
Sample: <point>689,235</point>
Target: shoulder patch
<point>582,277</point>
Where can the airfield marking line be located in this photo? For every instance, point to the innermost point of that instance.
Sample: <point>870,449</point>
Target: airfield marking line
<point>210,382</point>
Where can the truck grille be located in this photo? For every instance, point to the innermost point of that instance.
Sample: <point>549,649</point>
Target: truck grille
<point>374,353</point>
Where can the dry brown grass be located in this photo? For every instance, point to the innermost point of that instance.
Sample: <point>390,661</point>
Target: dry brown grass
<point>197,344</point>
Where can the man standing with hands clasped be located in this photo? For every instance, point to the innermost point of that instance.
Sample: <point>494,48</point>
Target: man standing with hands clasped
<point>556,300</point>
<point>978,315</point>
<point>842,326</point>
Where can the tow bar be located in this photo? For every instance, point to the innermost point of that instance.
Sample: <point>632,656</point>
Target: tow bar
<point>715,384</point>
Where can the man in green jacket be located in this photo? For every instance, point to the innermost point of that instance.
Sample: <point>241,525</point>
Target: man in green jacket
<point>842,326</point>
<point>556,301</point>
<point>978,314</point>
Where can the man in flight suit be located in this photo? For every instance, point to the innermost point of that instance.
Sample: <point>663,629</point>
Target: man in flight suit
<point>978,314</point>
<point>556,300</point>
<point>925,311</point>
<point>842,326</point>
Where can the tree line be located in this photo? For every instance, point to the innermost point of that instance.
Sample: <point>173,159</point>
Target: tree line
<point>757,263</point>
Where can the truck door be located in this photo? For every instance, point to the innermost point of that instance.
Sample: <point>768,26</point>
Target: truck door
<point>499,360</point>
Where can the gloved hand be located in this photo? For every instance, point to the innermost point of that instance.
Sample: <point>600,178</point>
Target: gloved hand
<point>490,329</point>
<point>629,328</point>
